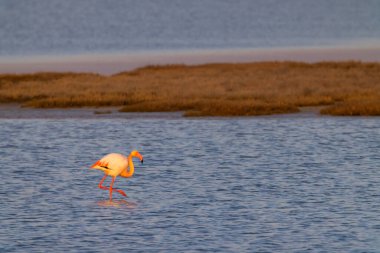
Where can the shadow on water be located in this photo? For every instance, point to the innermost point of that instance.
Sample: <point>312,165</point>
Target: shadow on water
<point>117,203</point>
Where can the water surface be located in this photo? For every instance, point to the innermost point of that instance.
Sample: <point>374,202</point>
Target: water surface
<point>267,184</point>
<point>54,27</point>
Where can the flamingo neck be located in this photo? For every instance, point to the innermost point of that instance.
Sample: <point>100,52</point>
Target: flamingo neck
<point>131,166</point>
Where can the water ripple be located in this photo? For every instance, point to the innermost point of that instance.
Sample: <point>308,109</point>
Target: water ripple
<point>230,185</point>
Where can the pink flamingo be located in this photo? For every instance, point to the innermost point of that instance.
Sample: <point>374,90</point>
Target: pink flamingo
<point>116,165</point>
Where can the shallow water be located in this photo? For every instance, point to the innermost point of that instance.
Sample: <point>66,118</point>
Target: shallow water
<point>266,184</point>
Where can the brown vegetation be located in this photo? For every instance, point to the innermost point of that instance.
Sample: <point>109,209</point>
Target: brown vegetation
<point>346,88</point>
<point>354,108</point>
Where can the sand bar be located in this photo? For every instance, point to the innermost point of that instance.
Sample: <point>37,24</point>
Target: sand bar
<point>109,64</point>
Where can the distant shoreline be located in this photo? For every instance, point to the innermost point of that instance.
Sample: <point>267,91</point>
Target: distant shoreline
<point>113,63</point>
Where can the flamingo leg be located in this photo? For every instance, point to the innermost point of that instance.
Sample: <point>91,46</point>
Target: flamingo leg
<point>111,189</point>
<point>114,189</point>
<point>101,182</point>
<point>121,192</point>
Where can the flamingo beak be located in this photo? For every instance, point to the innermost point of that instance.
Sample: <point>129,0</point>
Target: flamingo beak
<point>140,157</point>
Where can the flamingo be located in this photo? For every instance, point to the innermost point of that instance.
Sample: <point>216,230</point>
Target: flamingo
<point>116,165</point>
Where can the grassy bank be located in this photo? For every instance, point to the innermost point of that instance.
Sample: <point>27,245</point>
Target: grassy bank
<point>346,88</point>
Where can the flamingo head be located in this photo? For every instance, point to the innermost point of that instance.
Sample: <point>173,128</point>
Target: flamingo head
<point>135,153</point>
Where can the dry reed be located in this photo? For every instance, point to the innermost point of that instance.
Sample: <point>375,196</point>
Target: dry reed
<point>346,88</point>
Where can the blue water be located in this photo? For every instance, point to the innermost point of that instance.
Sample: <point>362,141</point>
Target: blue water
<point>55,27</point>
<point>267,184</point>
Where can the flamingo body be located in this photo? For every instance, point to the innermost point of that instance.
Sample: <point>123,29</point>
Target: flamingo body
<point>116,165</point>
<point>112,164</point>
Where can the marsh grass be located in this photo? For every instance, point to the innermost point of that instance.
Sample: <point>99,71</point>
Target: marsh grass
<point>354,108</point>
<point>346,88</point>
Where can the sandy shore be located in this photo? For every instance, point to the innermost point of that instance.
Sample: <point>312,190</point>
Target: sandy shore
<point>113,63</point>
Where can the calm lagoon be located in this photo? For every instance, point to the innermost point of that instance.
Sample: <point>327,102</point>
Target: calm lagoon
<point>301,183</point>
